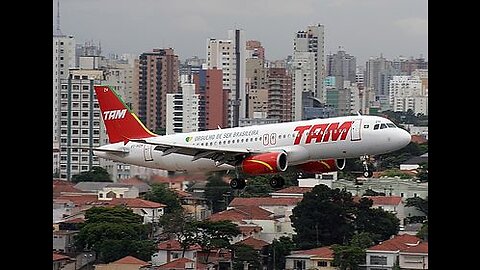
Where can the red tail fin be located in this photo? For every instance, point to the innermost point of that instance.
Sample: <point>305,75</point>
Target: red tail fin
<point>121,123</point>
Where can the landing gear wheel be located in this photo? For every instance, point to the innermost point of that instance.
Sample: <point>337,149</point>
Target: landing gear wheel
<point>237,183</point>
<point>277,182</point>
<point>367,174</point>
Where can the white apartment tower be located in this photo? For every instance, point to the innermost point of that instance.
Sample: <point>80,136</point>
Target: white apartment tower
<point>80,122</point>
<point>63,59</point>
<point>303,80</point>
<point>229,55</point>
<point>313,41</point>
<point>182,110</point>
<point>405,92</point>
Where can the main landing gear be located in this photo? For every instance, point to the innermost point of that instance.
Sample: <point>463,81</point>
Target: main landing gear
<point>239,183</point>
<point>367,171</point>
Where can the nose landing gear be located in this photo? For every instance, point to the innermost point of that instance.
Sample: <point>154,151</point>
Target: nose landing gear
<point>367,171</point>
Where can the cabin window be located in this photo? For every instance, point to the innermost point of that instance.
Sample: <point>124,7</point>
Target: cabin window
<point>376,126</point>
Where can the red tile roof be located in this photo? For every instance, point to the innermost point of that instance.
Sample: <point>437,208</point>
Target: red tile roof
<point>132,181</point>
<point>256,244</point>
<point>135,203</point>
<point>181,193</point>
<point>419,139</point>
<point>420,248</point>
<point>173,244</point>
<point>295,190</point>
<point>62,186</point>
<point>179,264</point>
<point>399,242</point>
<point>78,199</point>
<point>321,252</point>
<point>130,260</point>
<point>264,201</point>
<point>242,213</point>
<point>59,257</point>
<point>385,200</point>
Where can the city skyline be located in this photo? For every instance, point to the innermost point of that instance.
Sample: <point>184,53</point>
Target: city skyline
<point>362,28</point>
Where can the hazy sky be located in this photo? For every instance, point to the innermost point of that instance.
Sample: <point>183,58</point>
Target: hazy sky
<point>364,28</point>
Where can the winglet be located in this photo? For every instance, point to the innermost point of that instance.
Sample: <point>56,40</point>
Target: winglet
<point>121,123</point>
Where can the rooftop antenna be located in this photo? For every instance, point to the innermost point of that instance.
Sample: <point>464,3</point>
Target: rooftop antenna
<point>58,32</point>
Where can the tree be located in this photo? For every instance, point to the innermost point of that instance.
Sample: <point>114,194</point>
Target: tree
<point>215,189</point>
<point>113,233</point>
<point>419,203</point>
<point>279,249</point>
<point>423,232</point>
<point>329,216</point>
<point>162,194</point>
<point>352,255</point>
<point>381,225</point>
<point>257,186</point>
<point>245,254</point>
<point>324,217</point>
<point>181,226</point>
<point>95,174</point>
<point>212,235</point>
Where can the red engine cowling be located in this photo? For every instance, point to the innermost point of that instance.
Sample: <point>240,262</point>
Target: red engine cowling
<point>265,163</point>
<point>322,166</point>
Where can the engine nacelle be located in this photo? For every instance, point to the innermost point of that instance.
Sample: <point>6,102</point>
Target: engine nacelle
<point>266,163</point>
<point>322,166</point>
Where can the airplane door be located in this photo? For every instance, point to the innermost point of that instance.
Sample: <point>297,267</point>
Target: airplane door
<point>147,152</point>
<point>357,124</point>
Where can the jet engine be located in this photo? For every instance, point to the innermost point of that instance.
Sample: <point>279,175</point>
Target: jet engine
<point>322,166</point>
<point>266,163</point>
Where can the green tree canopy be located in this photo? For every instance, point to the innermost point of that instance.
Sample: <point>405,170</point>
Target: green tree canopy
<point>324,217</point>
<point>113,233</point>
<point>162,194</point>
<point>257,186</point>
<point>245,254</point>
<point>352,255</point>
<point>215,191</point>
<point>215,234</point>
<point>95,174</point>
<point>279,249</point>
<point>330,216</point>
<point>419,203</point>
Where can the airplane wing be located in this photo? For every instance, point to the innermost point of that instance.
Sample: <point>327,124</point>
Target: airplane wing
<point>219,154</point>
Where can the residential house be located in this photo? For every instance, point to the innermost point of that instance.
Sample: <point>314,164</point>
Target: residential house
<point>171,250</point>
<point>109,190</point>
<point>414,257</point>
<point>60,261</point>
<point>317,258</point>
<point>281,208</point>
<point>63,241</point>
<point>291,192</point>
<point>251,220</point>
<point>137,182</point>
<point>414,162</point>
<point>125,263</point>
<point>259,245</point>
<point>182,263</point>
<point>385,255</point>
<point>392,204</point>
<point>194,205</point>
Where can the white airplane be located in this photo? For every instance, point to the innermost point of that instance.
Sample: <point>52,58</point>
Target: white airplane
<point>311,146</point>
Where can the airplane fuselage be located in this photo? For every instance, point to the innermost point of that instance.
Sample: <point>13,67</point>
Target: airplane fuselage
<point>302,141</point>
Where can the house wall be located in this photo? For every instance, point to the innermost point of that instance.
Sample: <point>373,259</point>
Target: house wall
<point>413,261</point>
<point>391,258</point>
<point>164,256</point>
<point>114,266</point>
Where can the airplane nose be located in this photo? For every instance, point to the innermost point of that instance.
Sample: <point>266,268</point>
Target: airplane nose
<point>405,137</point>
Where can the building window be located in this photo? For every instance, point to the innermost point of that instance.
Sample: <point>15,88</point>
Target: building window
<point>322,263</point>
<point>378,260</point>
<point>298,264</point>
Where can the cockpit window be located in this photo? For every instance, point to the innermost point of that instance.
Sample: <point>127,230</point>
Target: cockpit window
<point>382,126</point>
<point>365,126</point>
<point>376,126</point>
<point>391,125</point>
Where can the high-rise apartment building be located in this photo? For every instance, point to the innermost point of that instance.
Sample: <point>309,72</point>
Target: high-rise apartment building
<point>406,93</point>
<point>311,41</point>
<point>213,100</point>
<point>229,55</point>
<point>279,87</point>
<point>157,76</point>
<point>182,110</point>
<point>80,122</point>
<point>342,66</point>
